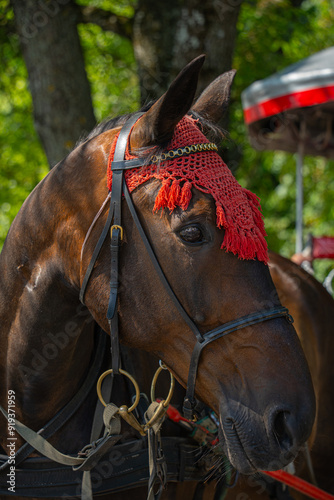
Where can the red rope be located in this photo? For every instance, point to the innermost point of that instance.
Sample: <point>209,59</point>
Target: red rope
<point>299,484</point>
<point>280,475</point>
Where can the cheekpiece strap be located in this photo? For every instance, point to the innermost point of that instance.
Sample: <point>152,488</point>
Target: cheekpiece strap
<point>116,233</point>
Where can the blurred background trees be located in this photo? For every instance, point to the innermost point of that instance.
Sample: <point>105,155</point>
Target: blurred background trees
<point>66,65</point>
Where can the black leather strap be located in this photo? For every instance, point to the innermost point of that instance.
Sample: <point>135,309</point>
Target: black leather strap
<point>126,164</point>
<point>118,164</point>
<point>115,236</point>
<point>125,467</point>
<point>117,167</point>
<point>232,326</point>
<point>95,255</point>
<point>122,141</point>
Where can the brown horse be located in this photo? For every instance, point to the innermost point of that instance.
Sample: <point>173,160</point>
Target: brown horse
<point>313,310</point>
<point>256,379</point>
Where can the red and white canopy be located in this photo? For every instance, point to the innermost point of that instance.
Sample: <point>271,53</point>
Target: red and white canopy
<point>294,105</point>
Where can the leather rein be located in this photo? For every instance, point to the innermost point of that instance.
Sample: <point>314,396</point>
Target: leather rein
<point>114,225</point>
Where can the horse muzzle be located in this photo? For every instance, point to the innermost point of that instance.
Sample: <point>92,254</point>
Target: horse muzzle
<point>255,442</point>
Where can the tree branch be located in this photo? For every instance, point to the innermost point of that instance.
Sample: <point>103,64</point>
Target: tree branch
<point>107,20</point>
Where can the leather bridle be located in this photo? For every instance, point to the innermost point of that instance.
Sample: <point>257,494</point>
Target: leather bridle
<point>114,224</point>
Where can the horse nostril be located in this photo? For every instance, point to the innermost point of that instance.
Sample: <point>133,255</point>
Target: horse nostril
<point>281,429</point>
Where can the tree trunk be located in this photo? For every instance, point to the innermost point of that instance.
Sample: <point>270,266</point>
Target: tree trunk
<point>63,109</point>
<point>167,35</point>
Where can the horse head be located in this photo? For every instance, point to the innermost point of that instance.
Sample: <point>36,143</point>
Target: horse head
<point>207,234</point>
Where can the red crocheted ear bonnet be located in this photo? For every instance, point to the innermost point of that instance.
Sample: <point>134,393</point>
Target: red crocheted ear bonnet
<point>237,209</point>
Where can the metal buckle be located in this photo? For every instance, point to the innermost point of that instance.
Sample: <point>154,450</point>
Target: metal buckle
<point>116,226</point>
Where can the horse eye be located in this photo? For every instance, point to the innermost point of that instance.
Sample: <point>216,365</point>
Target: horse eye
<point>191,234</point>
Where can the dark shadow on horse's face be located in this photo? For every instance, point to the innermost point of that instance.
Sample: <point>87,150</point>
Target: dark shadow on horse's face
<point>256,379</point>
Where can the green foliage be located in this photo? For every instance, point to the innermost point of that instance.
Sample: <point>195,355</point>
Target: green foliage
<point>23,163</point>
<point>273,35</point>
<point>120,7</point>
<point>110,63</point>
<point>111,70</point>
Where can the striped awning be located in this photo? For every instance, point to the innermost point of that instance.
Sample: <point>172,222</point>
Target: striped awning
<point>276,107</point>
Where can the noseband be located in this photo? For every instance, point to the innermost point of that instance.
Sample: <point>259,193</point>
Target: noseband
<point>114,224</point>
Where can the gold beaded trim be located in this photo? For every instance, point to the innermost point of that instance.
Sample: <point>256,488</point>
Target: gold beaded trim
<point>188,150</point>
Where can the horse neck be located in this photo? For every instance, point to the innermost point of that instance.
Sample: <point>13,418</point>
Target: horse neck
<point>46,337</point>
<point>312,308</point>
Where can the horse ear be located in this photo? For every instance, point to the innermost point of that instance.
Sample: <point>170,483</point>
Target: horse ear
<point>157,125</point>
<point>214,100</point>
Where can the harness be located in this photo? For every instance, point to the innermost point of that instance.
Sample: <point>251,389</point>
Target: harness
<point>172,463</point>
<point>123,466</point>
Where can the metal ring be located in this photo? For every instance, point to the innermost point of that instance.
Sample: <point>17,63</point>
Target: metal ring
<point>171,388</point>
<point>122,372</point>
